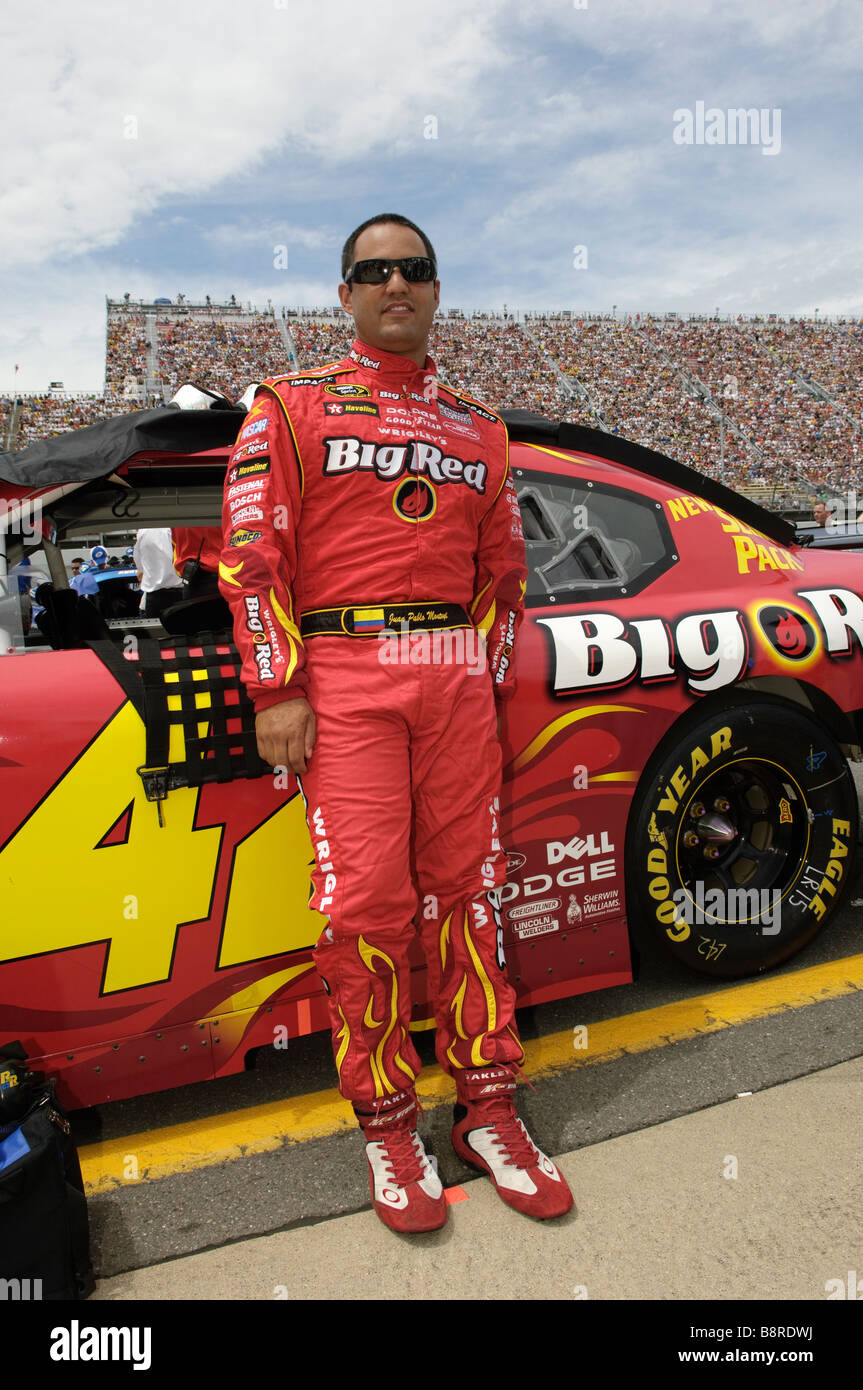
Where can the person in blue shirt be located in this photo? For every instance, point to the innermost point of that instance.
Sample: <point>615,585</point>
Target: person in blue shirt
<point>84,582</point>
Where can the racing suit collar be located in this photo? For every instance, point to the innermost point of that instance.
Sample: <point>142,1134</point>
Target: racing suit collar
<point>389,364</point>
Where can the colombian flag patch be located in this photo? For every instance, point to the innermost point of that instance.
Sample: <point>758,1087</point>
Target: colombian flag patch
<point>368,620</point>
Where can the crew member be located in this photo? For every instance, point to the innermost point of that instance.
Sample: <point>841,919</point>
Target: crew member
<point>153,558</point>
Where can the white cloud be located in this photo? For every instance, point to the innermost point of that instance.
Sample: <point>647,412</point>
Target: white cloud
<point>107,113</point>
<point>275,125</point>
<point>271,232</point>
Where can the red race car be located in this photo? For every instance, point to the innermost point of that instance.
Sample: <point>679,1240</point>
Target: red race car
<point>688,690</point>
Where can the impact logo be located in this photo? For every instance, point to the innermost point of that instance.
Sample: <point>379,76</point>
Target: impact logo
<point>788,632</point>
<point>414,500</point>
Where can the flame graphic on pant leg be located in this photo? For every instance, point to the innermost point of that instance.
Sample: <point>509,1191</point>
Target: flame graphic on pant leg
<point>376,1058</point>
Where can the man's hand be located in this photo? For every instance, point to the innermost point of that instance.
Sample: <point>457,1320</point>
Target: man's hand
<point>286,734</point>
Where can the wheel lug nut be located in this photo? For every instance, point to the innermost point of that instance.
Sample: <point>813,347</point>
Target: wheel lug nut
<point>721,804</point>
<point>690,839</point>
<point>696,810</point>
<point>711,852</point>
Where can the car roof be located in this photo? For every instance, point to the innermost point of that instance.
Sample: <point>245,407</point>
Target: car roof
<point>170,436</point>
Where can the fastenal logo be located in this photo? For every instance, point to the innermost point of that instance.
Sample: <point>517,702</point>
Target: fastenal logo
<point>737,126</point>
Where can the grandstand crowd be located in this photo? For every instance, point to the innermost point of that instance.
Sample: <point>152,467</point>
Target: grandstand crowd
<point>769,406</point>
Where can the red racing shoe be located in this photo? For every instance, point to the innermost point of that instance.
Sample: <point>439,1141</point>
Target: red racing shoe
<point>488,1135</point>
<point>406,1191</point>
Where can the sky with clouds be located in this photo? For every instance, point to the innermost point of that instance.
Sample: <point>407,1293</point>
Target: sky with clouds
<point>174,146</point>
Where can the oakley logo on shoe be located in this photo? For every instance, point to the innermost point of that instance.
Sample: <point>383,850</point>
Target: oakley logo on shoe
<point>390,1101</point>
<point>396,1107</point>
<point>389,461</point>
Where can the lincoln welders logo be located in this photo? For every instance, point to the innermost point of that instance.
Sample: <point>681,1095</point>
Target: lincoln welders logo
<point>414,499</point>
<point>788,632</point>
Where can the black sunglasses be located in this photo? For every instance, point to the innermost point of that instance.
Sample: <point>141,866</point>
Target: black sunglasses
<point>416,270</point>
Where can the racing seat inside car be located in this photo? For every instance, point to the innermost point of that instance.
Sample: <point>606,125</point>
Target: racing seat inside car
<point>68,620</point>
<point>207,612</point>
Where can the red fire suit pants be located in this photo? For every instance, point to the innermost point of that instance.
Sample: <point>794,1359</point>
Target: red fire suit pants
<point>402,794</point>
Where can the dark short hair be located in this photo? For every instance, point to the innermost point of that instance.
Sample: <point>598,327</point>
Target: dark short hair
<point>348,248</point>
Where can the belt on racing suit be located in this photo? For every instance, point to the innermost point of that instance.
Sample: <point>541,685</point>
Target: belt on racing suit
<point>361,621</point>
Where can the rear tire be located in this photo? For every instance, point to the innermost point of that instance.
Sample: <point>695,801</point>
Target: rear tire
<point>742,836</point>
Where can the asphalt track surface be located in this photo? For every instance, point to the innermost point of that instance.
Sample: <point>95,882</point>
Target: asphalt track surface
<point>652,1070</point>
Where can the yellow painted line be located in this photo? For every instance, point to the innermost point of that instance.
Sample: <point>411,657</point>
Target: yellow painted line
<point>200,1143</point>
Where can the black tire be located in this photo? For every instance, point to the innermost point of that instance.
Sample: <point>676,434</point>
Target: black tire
<point>755,802</point>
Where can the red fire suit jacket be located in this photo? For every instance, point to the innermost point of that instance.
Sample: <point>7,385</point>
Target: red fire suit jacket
<point>367,482</point>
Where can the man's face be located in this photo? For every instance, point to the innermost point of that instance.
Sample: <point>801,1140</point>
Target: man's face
<point>396,317</point>
<point>820,510</point>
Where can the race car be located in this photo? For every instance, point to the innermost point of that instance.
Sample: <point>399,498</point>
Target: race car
<point>675,757</point>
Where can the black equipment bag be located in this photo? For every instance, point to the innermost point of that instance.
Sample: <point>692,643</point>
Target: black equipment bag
<point>44,1229</point>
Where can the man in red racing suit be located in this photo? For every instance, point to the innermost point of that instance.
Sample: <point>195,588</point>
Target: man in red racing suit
<point>374,563</point>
